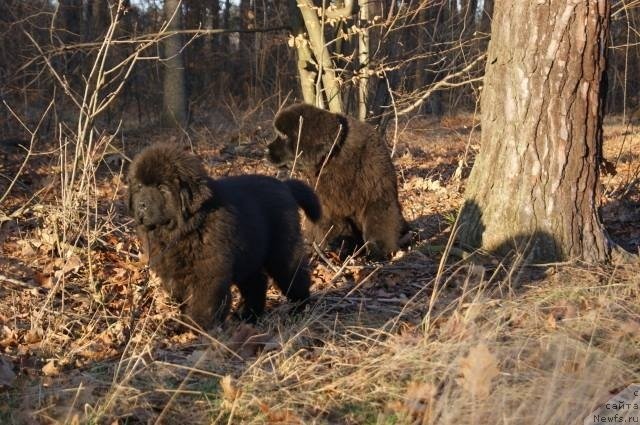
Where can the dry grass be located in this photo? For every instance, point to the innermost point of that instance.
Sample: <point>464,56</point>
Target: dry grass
<point>495,343</point>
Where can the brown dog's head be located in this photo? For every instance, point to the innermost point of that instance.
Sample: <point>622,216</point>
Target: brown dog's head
<point>310,133</point>
<point>167,185</point>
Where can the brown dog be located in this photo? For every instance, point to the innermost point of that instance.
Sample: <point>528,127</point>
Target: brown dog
<point>202,235</point>
<point>349,164</point>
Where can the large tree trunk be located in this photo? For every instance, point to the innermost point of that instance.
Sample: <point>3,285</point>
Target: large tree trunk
<point>535,182</point>
<point>174,94</point>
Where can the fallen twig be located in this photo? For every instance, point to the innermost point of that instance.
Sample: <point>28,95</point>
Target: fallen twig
<point>17,282</point>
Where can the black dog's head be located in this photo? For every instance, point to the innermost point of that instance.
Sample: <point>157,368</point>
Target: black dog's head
<point>167,185</point>
<point>308,134</point>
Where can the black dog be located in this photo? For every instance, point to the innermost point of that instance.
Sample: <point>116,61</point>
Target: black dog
<point>203,235</point>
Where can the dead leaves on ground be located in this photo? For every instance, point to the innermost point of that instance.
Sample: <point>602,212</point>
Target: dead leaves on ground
<point>417,403</point>
<point>247,341</point>
<point>478,369</point>
<point>280,416</point>
<point>50,369</point>
<point>8,337</point>
<point>230,391</point>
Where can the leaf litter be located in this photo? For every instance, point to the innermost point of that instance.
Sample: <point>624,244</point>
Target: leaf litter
<point>101,324</point>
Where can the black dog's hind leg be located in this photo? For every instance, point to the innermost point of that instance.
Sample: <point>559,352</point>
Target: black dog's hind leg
<point>292,277</point>
<point>254,295</point>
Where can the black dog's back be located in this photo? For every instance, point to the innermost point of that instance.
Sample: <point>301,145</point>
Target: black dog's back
<point>271,194</point>
<point>267,235</point>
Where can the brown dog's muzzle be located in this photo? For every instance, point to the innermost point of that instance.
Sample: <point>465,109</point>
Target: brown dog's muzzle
<point>278,153</point>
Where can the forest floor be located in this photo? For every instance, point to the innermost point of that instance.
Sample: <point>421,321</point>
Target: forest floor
<point>87,336</point>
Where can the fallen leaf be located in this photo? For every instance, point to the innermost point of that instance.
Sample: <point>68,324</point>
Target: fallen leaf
<point>478,369</point>
<point>247,341</point>
<point>424,184</point>
<point>198,356</point>
<point>456,327</point>
<point>564,310</point>
<point>47,238</point>
<point>33,335</point>
<point>280,416</point>
<point>229,390</point>
<point>323,274</point>
<point>7,336</point>
<point>50,369</point>
<point>43,280</point>
<point>630,327</point>
<point>27,249</point>
<point>70,264</point>
<point>417,402</point>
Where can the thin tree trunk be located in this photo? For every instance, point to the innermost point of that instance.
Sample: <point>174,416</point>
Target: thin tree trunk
<point>71,14</point>
<point>174,94</point>
<point>303,54</point>
<point>71,20</point>
<point>534,185</point>
<point>226,24</point>
<point>321,52</point>
<point>469,10</point>
<point>100,19</point>
<point>363,58</point>
<point>487,14</point>
<point>213,21</point>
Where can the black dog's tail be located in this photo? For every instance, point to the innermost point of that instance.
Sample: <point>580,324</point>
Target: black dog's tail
<point>306,199</point>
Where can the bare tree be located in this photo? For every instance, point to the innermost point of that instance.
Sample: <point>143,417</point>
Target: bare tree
<point>174,94</point>
<point>535,182</point>
<point>328,84</point>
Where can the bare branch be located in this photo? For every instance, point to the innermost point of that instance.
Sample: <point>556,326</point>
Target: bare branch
<point>445,82</point>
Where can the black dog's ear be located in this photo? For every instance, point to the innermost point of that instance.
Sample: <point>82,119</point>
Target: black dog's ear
<point>193,193</point>
<point>186,199</point>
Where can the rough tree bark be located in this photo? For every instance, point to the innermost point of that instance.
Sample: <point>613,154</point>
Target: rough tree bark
<point>535,181</point>
<point>174,94</point>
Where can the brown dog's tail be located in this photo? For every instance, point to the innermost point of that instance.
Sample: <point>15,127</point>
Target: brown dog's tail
<point>306,199</point>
